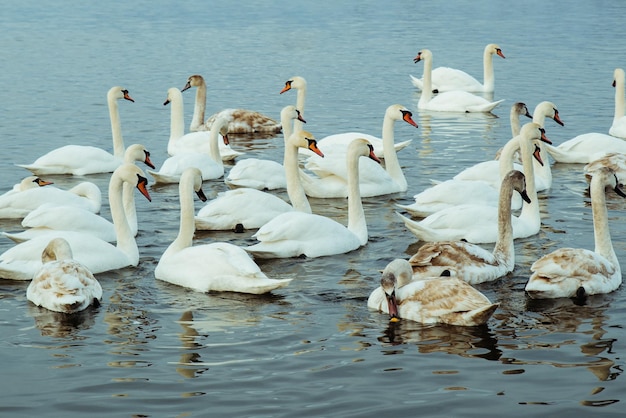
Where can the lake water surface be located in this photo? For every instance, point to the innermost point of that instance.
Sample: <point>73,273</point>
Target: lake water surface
<point>312,348</point>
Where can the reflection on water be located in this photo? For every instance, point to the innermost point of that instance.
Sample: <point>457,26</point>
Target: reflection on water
<point>62,325</point>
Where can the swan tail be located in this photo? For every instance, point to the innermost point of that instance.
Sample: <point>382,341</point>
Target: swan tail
<point>481,315</point>
<point>488,107</point>
<point>417,83</point>
<point>420,231</point>
<point>414,210</point>
<point>16,237</point>
<point>163,179</point>
<point>401,145</point>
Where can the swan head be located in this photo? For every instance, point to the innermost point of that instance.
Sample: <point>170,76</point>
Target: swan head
<point>305,139</point>
<point>173,94</point>
<point>395,275</point>
<point>193,175</point>
<point>520,109</point>
<point>422,55</point>
<point>57,249</point>
<point>399,112</point>
<point>134,175</point>
<point>195,80</point>
<point>361,147</point>
<point>618,75</point>
<point>290,112</point>
<point>31,182</point>
<point>494,49</point>
<point>296,82</point>
<point>547,109</point>
<point>518,183</point>
<point>117,93</point>
<point>138,152</point>
<point>221,124</point>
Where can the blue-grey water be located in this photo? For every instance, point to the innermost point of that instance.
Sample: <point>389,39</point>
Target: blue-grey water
<point>313,348</point>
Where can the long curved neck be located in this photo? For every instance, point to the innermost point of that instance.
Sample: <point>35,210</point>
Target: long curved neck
<point>287,126</point>
<point>427,82</point>
<point>187,226</point>
<point>601,234</point>
<point>356,214</point>
<point>214,146</point>
<point>530,211</point>
<point>392,165</point>
<point>197,121</point>
<point>125,238</point>
<point>300,99</point>
<point>507,155</point>
<point>620,102</point>
<point>515,123</point>
<point>504,246</point>
<point>544,171</point>
<point>128,200</point>
<point>488,76</point>
<point>116,128</point>
<point>177,124</point>
<point>295,191</point>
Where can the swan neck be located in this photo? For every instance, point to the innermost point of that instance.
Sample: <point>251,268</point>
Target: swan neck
<point>507,155</point>
<point>214,146</point>
<point>392,164</point>
<point>300,101</point>
<point>116,128</point>
<point>187,226</point>
<point>488,75</point>
<point>356,215</point>
<point>128,200</point>
<point>197,120</point>
<point>427,82</point>
<point>125,238</point>
<point>601,234</point>
<point>287,126</point>
<point>177,124</point>
<point>530,211</point>
<point>515,123</point>
<point>504,245</point>
<point>620,102</point>
<point>295,191</point>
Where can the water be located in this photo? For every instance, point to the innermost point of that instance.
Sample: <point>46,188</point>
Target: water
<point>313,348</point>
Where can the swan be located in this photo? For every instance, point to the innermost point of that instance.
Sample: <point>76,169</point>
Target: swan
<point>252,208</point>
<point>448,79</point>
<point>577,272</point>
<point>240,121</point>
<point>80,160</point>
<point>16,205</point>
<point>300,85</point>
<point>63,284</point>
<point>180,142</point>
<point>218,266</point>
<point>263,174</point>
<point>22,261</point>
<point>293,234</point>
<point>489,171</point>
<point>618,127</point>
<point>585,148</point>
<point>479,223</point>
<point>374,180</point>
<point>470,262</point>
<point>210,164</point>
<point>437,300</point>
<point>51,217</point>
<point>449,101</point>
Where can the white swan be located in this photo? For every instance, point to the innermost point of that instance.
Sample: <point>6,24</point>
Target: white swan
<point>240,121</point>
<point>585,148</point>
<point>489,171</point>
<point>218,266</point>
<point>263,174</point>
<point>479,223</point>
<point>577,272</point>
<point>448,79</point>
<point>618,127</point>
<point>210,164</point>
<point>293,234</point>
<point>252,208</point>
<point>437,300</point>
<point>374,180</point>
<point>85,195</point>
<point>22,261</point>
<point>180,142</point>
<point>298,83</point>
<point>614,161</point>
<point>80,160</point>
<point>470,262</point>
<point>449,101</point>
<point>63,284</point>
